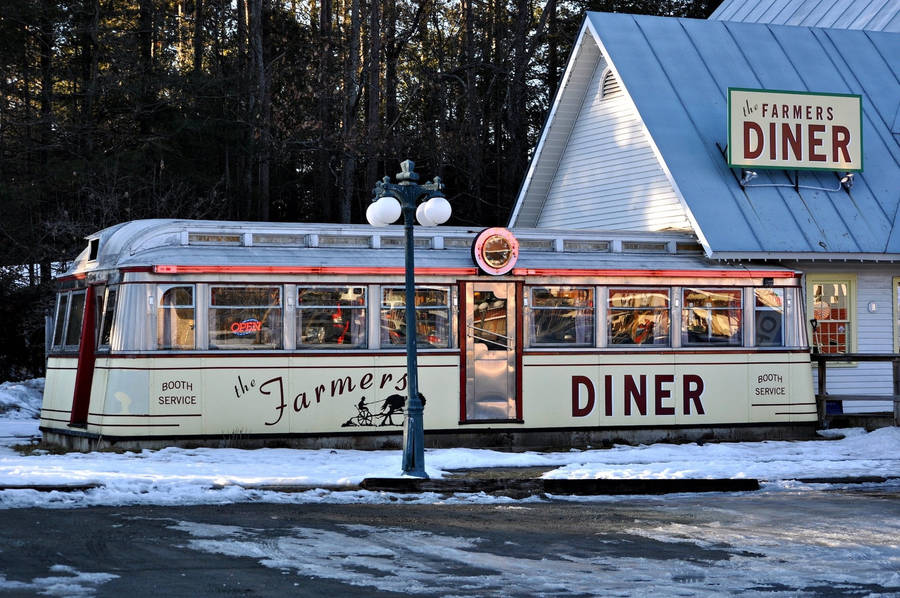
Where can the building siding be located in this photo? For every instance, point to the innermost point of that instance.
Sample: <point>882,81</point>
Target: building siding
<point>608,176</point>
<point>874,333</point>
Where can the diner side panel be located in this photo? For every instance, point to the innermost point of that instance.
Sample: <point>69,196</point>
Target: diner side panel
<point>712,387</point>
<point>59,388</point>
<point>121,403</point>
<point>803,401</point>
<point>313,394</point>
<point>769,376</point>
<point>600,389</point>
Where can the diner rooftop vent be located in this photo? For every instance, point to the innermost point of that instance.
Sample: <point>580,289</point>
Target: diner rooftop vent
<point>280,239</point>
<point>457,242</point>
<point>645,246</point>
<point>399,242</point>
<point>688,248</point>
<point>345,241</point>
<point>536,244</point>
<point>215,239</point>
<point>585,246</point>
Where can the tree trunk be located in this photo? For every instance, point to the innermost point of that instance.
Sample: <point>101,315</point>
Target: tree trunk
<point>145,57</point>
<point>262,112</point>
<point>351,100</point>
<point>324,188</point>
<point>198,37</point>
<point>373,86</point>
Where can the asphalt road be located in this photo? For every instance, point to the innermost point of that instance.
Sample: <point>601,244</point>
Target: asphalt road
<point>843,542</point>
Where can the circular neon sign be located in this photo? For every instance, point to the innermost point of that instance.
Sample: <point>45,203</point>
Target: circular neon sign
<point>495,250</point>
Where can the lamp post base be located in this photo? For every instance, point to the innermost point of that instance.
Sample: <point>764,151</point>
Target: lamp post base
<point>414,441</point>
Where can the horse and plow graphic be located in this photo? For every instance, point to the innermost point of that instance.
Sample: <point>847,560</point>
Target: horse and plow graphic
<point>393,405</point>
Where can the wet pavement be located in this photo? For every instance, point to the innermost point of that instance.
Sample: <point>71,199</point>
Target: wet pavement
<point>831,541</point>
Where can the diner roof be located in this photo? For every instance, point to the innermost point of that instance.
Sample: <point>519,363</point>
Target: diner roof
<point>206,246</point>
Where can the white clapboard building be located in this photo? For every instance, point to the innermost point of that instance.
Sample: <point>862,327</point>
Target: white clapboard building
<point>637,139</point>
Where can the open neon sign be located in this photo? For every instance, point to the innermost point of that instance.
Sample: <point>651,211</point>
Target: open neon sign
<point>246,327</point>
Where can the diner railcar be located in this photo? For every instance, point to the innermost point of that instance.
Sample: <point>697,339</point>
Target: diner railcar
<point>176,332</point>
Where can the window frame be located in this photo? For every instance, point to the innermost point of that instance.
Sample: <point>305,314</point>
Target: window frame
<point>279,345</point>
<point>299,309</point>
<point>112,290</point>
<point>686,309</point>
<point>667,310</point>
<point>384,341</point>
<point>852,320</point>
<point>590,309</point>
<point>758,309</point>
<point>61,315</point>
<point>63,345</point>
<point>161,290</point>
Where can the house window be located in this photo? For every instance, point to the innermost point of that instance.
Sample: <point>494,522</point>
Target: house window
<point>331,317</point>
<point>562,316</point>
<point>175,317</point>
<point>245,317</point>
<point>831,312</point>
<point>638,317</point>
<point>432,317</point>
<point>711,317</point>
<point>768,314</point>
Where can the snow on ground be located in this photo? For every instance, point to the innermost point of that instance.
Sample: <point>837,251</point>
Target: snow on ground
<point>215,476</point>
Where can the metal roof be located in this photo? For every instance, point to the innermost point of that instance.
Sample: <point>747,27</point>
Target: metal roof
<point>677,72</point>
<point>874,15</point>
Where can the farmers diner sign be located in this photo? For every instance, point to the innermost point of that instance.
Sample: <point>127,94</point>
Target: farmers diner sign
<point>794,130</point>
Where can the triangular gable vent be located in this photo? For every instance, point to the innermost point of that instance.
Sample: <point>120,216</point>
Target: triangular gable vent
<point>610,86</point>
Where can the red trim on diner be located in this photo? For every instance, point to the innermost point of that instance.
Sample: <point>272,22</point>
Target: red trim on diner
<point>651,272</point>
<point>348,270</point>
<point>84,375</point>
<point>251,353</point>
<point>461,341</point>
<point>519,295</point>
<point>668,351</point>
<point>76,276</point>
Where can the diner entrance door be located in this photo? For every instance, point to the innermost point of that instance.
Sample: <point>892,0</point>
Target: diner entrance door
<point>490,351</point>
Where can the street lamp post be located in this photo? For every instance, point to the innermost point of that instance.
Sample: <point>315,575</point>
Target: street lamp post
<point>390,200</point>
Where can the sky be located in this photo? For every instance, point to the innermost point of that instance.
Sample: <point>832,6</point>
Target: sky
<point>226,475</point>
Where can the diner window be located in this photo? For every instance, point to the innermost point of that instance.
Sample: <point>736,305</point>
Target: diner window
<point>831,309</point>
<point>769,317</point>
<point>331,317</point>
<point>109,311</point>
<point>75,319</point>
<point>59,328</point>
<point>245,318</point>
<point>561,316</point>
<point>638,317</point>
<point>432,317</point>
<point>175,317</point>
<point>712,317</point>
